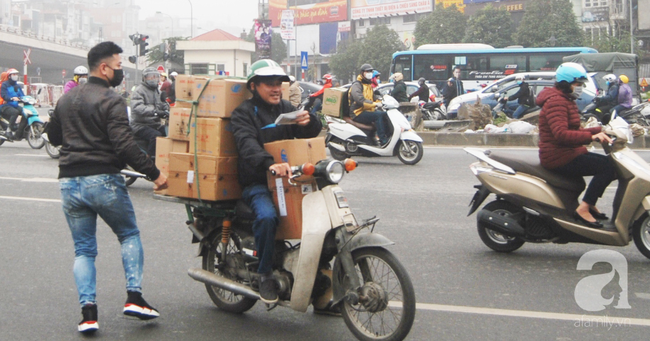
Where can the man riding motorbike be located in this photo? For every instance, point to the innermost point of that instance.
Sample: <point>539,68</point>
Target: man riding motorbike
<point>422,92</point>
<point>147,109</point>
<point>80,77</point>
<point>363,107</point>
<point>610,100</point>
<point>624,95</point>
<point>317,97</point>
<point>253,126</point>
<point>11,93</point>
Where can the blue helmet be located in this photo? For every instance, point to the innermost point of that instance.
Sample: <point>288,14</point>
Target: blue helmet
<point>571,72</point>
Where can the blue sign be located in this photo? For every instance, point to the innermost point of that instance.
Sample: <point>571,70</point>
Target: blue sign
<point>303,60</point>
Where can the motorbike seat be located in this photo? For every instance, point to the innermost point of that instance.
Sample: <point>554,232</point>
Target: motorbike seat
<point>244,211</point>
<point>531,165</point>
<point>361,126</point>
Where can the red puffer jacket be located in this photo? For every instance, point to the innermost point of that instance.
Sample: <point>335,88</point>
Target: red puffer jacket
<point>560,137</point>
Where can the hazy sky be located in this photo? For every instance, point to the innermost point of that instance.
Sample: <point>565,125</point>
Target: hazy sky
<point>229,15</point>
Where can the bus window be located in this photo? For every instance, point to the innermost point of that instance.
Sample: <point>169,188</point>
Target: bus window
<point>476,68</point>
<point>546,62</point>
<point>504,65</point>
<point>432,68</point>
<point>403,64</point>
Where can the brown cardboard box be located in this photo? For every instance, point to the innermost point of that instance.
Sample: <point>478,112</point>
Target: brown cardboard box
<point>297,151</point>
<point>217,177</point>
<point>221,97</point>
<point>179,120</point>
<point>332,101</point>
<point>164,146</point>
<point>290,214</point>
<point>214,137</point>
<point>285,90</point>
<point>186,86</point>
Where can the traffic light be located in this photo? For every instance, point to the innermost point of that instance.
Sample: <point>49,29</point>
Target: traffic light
<point>135,38</point>
<point>133,59</point>
<point>143,44</point>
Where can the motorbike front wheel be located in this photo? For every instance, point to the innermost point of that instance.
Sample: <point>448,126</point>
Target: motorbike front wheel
<point>52,151</point>
<point>337,154</point>
<point>386,307</point>
<point>34,137</point>
<point>224,299</point>
<point>410,152</point>
<point>495,240</point>
<point>641,235</point>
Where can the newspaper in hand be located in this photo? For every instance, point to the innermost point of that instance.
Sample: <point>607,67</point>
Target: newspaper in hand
<point>287,118</point>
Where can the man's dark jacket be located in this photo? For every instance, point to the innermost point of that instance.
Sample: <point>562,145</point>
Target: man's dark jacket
<point>523,95</point>
<point>91,124</point>
<point>247,123</point>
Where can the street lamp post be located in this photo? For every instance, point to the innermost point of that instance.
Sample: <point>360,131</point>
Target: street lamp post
<point>170,18</point>
<point>191,19</point>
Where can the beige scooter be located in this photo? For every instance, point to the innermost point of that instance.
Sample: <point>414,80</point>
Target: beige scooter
<point>536,205</point>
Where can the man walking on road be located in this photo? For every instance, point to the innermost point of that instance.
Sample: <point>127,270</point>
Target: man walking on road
<point>91,125</point>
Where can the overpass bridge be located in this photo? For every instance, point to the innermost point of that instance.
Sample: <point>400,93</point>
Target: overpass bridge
<point>48,55</point>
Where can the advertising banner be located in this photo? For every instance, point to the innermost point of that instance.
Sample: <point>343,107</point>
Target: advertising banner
<point>263,33</point>
<point>460,4</point>
<point>320,11</point>
<point>286,25</point>
<point>361,9</point>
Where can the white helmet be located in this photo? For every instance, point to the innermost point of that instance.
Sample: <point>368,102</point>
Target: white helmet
<point>173,74</point>
<point>610,78</point>
<point>80,70</point>
<point>520,77</point>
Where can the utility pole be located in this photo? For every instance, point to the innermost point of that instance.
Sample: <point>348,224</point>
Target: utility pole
<point>631,30</point>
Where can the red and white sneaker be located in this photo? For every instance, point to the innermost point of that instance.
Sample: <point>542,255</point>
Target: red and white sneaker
<point>89,323</point>
<point>136,306</point>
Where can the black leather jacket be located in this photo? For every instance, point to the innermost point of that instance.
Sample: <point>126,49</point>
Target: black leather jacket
<point>247,123</point>
<point>91,124</point>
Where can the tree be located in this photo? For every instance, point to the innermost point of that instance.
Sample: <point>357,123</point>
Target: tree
<point>278,47</point>
<point>490,25</point>
<point>378,47</point>
<point>345,62</point>
<point>177,58</point>
<point>442,26</point>
<point>549,23</point>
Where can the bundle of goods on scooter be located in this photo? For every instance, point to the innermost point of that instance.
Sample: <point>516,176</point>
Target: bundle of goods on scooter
<point>333,101</point>
<point>207,170</point>
<point>286,197</point>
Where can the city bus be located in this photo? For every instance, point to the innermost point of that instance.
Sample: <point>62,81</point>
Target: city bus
<point>480,64</point>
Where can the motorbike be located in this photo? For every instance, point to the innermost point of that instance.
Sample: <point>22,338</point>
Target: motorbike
<point>347,138</point>
<point>367,281</point>
<point>632,115</point>
<point>432,111</point>
<point>53,151</point>
<point>130,175</point>
<point>30,124</point>
<point>536,205</point>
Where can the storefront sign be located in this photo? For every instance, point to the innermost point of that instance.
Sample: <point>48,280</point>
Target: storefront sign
<point>361,9</point>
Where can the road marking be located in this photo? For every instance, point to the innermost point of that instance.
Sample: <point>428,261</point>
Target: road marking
<point>29,199</point>
<point>530,314</point>
<point>30,179</point>
<point>33,155</point>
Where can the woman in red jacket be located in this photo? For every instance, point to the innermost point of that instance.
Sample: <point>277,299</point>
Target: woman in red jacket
<point>562,141</point>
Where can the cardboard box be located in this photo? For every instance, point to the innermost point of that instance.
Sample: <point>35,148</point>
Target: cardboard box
<point>214,137</point>
<point>217,177</point>
<point>165,146</point>
<point>220,97</point>
<point>297,151</point>
<point>332,101</point>
<point>290,212</point>
<point>285,90</point>
<point>179,120</point>
<point>186,86</point>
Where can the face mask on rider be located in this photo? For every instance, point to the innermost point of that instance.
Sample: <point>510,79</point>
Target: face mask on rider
<point>577,91</point>
<point>368,75</point>
<point>14,78</point>
<point>83,80</point>
<point>118,77</point>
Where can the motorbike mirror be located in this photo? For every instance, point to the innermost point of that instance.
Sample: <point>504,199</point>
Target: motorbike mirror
<point>350,165</point>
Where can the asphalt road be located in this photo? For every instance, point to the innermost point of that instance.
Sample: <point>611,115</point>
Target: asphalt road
<point>464,290</point>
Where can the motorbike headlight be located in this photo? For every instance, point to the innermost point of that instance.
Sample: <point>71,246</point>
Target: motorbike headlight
<point>335,171</point>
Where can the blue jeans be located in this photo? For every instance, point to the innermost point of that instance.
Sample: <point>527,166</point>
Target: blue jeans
<point>258,197</point>
<point>520,111</point>
<point>368,117</point>
<point>318,105</point>
<point>84,198</point>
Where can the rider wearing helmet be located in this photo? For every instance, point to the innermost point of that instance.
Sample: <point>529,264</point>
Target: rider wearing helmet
<point>562,141</point>
<point>523,96</point>
<point>11,92</point>
<point>80,77</point>
<point>327,78</point>
<point>375,79</point>
<point>147,109</point>
<point>399,88</point>
<point>610,100</point>
<point>624,95</point>
<point>363,107</point>
<point>253,125</point>
<point>165,85</point>
<point>295,95</point>
<point>171,96</point>
<point>422,92</point>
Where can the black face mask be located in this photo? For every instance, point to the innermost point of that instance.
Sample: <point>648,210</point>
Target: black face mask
<point>118,77</point>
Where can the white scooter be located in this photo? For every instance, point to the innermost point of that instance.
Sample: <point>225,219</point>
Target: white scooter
<point>347,138</point>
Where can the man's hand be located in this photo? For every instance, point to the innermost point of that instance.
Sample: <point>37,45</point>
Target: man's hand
<point>281,169</point>
<point>601,137</point>
<point>161,182</point>
<point>15,99</point>
<point>378,106</point>
<point>302,120</point>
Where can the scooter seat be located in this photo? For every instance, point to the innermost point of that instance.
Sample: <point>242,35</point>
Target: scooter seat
<point>361,126</point>
<point>530,165</point>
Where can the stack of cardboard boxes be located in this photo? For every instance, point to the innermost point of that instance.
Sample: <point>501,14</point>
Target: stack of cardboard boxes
<point>200,156</point>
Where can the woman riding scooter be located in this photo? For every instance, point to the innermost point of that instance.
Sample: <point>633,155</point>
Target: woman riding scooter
<point>561,141</point>
<point>11,92</point>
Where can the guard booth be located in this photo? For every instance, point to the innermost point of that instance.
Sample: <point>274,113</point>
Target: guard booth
<point>610,62</point>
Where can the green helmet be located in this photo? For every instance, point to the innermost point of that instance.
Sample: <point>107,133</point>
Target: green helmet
<point>266,68</point>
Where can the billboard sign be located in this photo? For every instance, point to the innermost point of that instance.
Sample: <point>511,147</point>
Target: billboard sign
<point>460,4</point>
<point>286,25</point>
<point>320,11</point>
<point>263,34</point>
<point>362,9</point>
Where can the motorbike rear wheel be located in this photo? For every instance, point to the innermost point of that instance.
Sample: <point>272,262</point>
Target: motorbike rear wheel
<point>641,235</point>
<point>410,152</point>
<point>495,240</point>
<point>33,135</point>
<point>224,299</point>
<point>52,151</point>
<point>389,312</point>
<point>337,154</point>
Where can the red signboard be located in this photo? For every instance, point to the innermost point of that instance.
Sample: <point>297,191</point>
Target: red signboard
<point>320,12</point>
<point>161,69</point>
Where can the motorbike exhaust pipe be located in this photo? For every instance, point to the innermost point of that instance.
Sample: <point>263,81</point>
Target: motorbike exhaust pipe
<point>222,282</point>
<point>501,224</point>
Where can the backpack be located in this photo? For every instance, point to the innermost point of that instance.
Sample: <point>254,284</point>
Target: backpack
<point>346,101</point>
<point>530,101</point>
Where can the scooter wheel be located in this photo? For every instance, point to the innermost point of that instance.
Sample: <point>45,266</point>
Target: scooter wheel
<point>641,235</point>
<point>410,152</point>
<point>337,154</point>
<point>495,240</point>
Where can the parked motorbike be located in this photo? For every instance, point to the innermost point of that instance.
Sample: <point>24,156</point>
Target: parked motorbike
<point>432,111</point>
<point>367,281</point>
<point>52,151</point>
<point>632,115</point>
<point>30,124</point>
<point>347,138</point>
<point>536,205</point>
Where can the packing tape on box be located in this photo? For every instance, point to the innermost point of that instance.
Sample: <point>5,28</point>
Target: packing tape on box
<point>282,205</point>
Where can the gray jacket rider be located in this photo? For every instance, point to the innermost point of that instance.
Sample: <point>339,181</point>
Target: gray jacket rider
<point>146,107</point>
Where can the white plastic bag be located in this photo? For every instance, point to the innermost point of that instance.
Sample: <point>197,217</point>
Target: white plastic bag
<point>521,127</point>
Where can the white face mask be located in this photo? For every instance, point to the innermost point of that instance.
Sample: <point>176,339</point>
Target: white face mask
<point>83,81</point>
<point>577,91</point>
<point>14,78</point>
<point>368,75</point>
